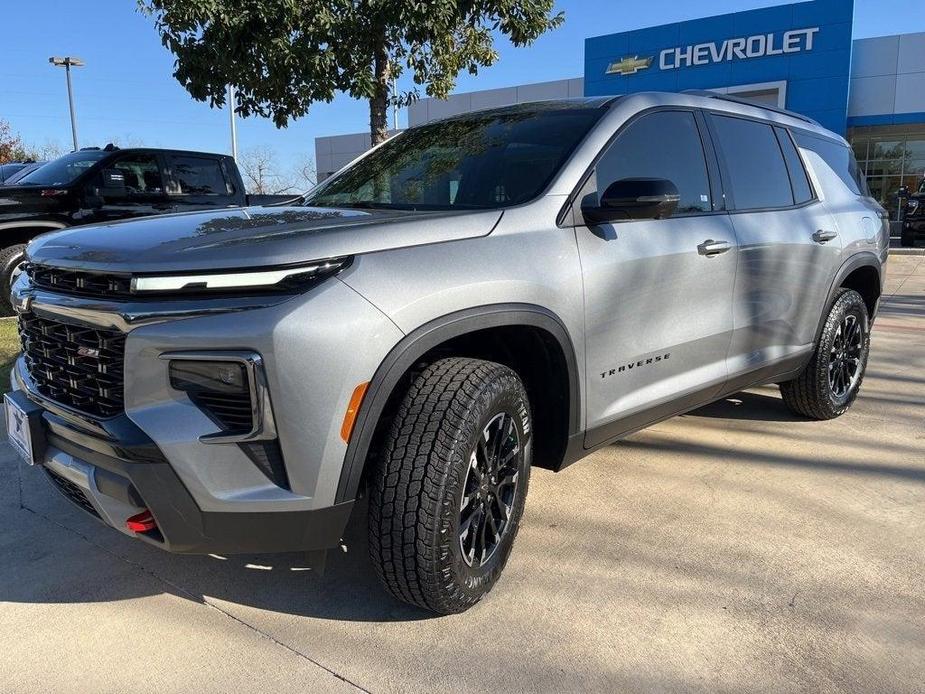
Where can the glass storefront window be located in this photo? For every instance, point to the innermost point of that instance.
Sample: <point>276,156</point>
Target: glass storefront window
<point>860,149</point>
<point>890,149</point>
<point>884,167</point>
<point>891,156</point>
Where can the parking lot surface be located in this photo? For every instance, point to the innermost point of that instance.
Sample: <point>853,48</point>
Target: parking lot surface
<point>737,548</point>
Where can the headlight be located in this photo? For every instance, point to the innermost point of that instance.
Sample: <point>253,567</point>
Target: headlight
<point>288,278</point>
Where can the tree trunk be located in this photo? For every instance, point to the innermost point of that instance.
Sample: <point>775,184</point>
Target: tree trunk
<point>379,102</point>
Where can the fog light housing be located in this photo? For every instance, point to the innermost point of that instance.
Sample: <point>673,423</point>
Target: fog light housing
<point>208,376</point>
<point>230,387</point>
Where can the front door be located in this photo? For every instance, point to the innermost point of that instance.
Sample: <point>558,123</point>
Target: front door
<point>658,293</point>
<point>142,195</point>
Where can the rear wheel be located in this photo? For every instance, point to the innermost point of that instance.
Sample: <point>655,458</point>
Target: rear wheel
<point>449,489</point>
<point>11,262</point>
<point>830,382</point>
<point>907,237</point>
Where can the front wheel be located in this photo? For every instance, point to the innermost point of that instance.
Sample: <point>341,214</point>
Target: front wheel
<point>448,492</point>
<point>11,263</point>
<point>830,382</point>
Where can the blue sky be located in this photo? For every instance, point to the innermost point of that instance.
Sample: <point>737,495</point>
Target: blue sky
<point>126,91</point>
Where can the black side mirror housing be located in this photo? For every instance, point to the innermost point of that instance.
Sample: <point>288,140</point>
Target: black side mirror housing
<point>633,198</point>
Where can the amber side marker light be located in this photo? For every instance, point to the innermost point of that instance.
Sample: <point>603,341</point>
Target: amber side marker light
<point>350,416</point>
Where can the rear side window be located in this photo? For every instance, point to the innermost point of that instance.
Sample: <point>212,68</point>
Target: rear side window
<point>667,145</point>
<point>838,157</point>
<point>199,176</point>
<point>756,166</point>
<point>802,192</point>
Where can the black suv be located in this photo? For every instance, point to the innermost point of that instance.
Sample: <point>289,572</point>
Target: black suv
<point>94,186</point>
<point>914,215</point>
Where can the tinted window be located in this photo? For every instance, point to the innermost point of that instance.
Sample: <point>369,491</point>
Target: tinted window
<point>479,161</point>
<point>65,169</point>
<point>802,192</point>
<point>661,145</point>
<point>142,174</point>
<point>838,157</point>
<point>755,163</point>
<point>199,176</point>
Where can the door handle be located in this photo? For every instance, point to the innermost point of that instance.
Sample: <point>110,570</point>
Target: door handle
<point>822,236</point>
<point>711,247</point>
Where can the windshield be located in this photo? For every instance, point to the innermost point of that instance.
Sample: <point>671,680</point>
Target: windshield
<point>481,161</point>
<point>23,172</point>
<point>63,170</point>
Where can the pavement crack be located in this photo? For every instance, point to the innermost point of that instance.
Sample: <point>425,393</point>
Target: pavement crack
<point>187,594</point>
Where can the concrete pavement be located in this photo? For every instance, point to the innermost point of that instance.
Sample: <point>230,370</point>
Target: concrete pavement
<point>736,548</point>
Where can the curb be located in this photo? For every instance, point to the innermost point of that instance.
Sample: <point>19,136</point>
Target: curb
<point>907,251</point>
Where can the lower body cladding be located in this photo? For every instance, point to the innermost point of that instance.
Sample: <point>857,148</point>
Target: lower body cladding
<point>167,470</point>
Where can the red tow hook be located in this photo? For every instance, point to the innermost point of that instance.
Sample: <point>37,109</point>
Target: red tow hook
<point>141,522</point>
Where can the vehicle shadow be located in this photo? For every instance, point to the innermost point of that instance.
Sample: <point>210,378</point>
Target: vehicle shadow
<point>46,542</point>
<point>748,405</point>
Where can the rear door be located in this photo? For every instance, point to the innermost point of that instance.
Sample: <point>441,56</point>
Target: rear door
<point>199,182</point>
<point>788,248</point>
<point>658,293</point>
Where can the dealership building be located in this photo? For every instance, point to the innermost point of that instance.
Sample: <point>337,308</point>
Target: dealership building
<point>800,56</point>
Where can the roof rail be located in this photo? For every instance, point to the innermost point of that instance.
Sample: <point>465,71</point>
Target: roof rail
<point>748,102</point>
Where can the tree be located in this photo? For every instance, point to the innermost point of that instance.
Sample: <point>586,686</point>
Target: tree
<point>261,173</point>
<point>11,145</point>
<point>284,55</point>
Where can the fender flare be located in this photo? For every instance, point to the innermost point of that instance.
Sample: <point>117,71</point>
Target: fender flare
<point>855,262</point>
<point>37,227</point>
<point>420,341</point>
<point>51,226</point>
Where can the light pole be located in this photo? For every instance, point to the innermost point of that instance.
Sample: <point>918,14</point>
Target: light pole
<point>67,63</point>
<point>234,127</point>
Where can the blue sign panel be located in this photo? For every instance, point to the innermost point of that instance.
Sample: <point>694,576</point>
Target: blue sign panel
<point>801,51</point>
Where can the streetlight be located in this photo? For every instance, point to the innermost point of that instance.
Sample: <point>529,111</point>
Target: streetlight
<point>67,63</point>
<point>232,102</point>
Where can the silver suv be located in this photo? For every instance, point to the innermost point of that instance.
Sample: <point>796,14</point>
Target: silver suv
<point>500,290</point>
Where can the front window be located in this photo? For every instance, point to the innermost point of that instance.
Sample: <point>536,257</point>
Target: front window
<point>63,170</point>
<point>479,161</point>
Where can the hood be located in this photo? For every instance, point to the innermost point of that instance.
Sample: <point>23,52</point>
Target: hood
<point>251,237</point>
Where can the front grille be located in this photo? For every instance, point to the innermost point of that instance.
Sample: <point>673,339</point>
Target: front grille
<point>232,411</point>
<point>72,492</point>
<point>75,366</point>
<point>79,282</point>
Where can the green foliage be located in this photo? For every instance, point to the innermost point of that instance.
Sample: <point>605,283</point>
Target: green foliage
<point>284,55</point>
<point>11,146</point>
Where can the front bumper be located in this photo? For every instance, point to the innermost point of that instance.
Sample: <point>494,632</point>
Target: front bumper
<point>118,472</point>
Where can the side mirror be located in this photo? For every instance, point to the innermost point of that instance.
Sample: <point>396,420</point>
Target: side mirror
<point>634,198</point>
<point>113,183</point>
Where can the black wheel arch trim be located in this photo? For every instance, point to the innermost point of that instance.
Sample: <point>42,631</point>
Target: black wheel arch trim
<point>423,339</point>
<point>855,262</point>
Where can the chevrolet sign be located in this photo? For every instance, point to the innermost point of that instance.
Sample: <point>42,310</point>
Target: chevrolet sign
<point>741,48</point>
<point>628,66</point>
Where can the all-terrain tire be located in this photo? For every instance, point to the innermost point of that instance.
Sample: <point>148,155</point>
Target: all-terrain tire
<point>423,483</point>
<point>10,259</point>
<point>811,394</point>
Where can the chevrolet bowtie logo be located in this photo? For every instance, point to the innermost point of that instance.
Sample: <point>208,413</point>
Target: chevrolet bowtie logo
<point>628,66</point>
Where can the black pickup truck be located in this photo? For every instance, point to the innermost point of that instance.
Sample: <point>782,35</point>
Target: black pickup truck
<point>94,186</point>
